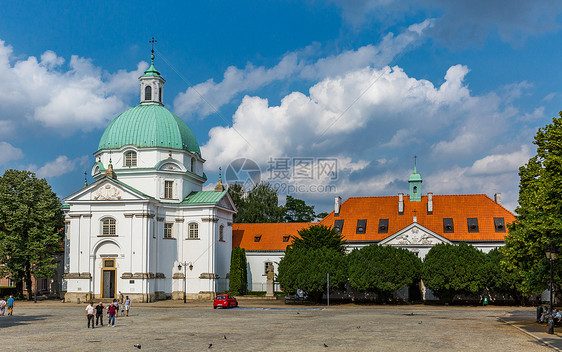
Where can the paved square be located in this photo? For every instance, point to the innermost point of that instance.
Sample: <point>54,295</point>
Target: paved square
<point>49,326</point>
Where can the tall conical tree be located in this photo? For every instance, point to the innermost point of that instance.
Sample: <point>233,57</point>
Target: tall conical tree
<point>238,273</point>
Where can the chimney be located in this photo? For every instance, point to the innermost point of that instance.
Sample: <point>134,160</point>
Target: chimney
<point>429,203</point>
<point>337,204</point>
<point>498,198</point>
<point>400,203</point>
<point>415,218</point>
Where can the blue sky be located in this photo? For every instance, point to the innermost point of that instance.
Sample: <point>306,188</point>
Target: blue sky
<point>463,85</point>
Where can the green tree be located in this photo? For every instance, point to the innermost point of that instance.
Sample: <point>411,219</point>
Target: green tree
<point>238,277</point>
<point>236,192</point>
<point>498,279</point>
<point>31,223</point>
<point>539,215</point>
<point>382,269</point>
<point>259,205</point>
<point>448,270</point>
<point>296,210</point>
<point>321,215</point>
<point>319,236</point>
<point>306,269</point>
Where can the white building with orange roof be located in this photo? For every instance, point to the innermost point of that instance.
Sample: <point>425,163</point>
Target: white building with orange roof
<point>414,222</point>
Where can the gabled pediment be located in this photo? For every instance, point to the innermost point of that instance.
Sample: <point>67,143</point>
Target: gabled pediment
<point>414,235</point>
<point>227,203</point>
<point>106,189</point>
<point>170,165</point>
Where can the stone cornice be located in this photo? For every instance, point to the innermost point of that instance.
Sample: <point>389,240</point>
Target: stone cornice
<point>209,276</point>
<point>77,276</point>
<point>210,219</point>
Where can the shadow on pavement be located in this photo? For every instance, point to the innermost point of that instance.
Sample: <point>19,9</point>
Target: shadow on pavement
<point>526,321</point>
<point>15,320</point>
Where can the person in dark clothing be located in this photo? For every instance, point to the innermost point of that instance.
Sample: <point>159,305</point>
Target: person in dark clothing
<point>99,313</point>
<point>112,310</point>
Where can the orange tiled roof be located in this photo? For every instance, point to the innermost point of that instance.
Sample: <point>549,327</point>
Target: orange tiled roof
<point>272,234</point>
<point>457,207</point>
<point>372,209</point>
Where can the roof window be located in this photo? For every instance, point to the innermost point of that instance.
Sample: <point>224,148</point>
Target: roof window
<point>338,226</point>
<point>472,224</point>
<point>361,226</point>
<point>286,238</point>
<point>499,224</point>
<point>257,238</point>
<point>383,225</point>
<point>448,225</point>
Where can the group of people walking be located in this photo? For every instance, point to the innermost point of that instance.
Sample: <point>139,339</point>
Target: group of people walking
<point>7,303</point>
<point>112,311</point>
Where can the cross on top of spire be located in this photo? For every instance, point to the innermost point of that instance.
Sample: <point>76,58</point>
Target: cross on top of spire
<point>152,42</point>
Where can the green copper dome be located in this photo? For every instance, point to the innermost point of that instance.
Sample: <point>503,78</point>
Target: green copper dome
<point>149,125</point>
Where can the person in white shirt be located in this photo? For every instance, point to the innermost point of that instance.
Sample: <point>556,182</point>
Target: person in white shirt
<point>90,314</point>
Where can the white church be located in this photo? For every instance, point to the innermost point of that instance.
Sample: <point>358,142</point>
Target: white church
<point>145,228</point>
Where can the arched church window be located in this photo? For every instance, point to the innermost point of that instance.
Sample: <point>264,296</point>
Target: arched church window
<point>148,93</point>
<point>192,165</point>
<point>221,233</point>
<point>193,231</point>
<point>160,94</point>
<point>131,158</point>
<point>108,227</point>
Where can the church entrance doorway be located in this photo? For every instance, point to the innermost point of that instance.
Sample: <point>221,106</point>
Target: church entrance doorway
<point>108,278</point>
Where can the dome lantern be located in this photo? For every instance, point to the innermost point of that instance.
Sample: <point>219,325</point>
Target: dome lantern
<point>152,84</point>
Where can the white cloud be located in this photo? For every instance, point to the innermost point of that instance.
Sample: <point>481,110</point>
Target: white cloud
<point>8,153</point>
<point>501,163</point>
<point>468,143</point>
<point>60,166</point>
<point>79,96</point>
<point>204,98</point>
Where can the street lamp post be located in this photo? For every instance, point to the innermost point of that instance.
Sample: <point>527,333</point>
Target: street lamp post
<point>185,265</point>
<point>551,254</point>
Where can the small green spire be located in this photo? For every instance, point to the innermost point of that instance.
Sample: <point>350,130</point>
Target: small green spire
<point>220,175</point>
<point>151,71</point>
<point>415,183</point>
<point>85,179</point>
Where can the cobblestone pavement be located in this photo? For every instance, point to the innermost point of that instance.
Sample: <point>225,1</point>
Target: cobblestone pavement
<point>267,326</point>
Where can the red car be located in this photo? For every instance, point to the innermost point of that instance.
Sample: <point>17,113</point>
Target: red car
<point>225,301</point>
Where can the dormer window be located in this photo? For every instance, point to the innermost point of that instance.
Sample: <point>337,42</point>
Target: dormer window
<point>148,93</point>
<point>338,226</point>
<point>361,226</point>
<point>257,238</point>
<point>448,225</point>
<point>499,224</point>
<point>472,224</point>
<point>383,225</point>
<point>131,158</point>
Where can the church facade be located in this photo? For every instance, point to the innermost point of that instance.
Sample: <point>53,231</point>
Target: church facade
<point>145,228</point>
<point>413,221</point>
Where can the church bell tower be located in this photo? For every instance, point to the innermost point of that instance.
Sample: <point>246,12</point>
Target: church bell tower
<point>151,83</point>
<point>415,183</point>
